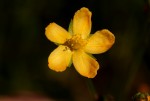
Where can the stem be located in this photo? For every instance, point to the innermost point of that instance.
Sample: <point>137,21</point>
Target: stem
<point>92,90</point>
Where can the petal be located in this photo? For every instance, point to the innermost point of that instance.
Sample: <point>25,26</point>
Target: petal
<point>85,64</point>
<point>82,22</point>
<point>60,58</point>
<point>56,33</point>
<point>100,42</point>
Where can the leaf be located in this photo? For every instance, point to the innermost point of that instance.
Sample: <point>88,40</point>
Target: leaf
<point>70,27</point>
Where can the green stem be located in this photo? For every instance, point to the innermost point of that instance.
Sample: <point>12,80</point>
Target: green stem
<point>92,90</point>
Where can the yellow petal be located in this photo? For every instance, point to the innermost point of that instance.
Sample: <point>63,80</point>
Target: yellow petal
<point>148,97</point>
<point>85,64</point>
<point>82,22</point>
<point>100,42</point>
<point>60,58</point>
<point>56,33</point>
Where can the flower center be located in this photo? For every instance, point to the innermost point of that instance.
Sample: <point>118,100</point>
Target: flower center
<point>75,42</point>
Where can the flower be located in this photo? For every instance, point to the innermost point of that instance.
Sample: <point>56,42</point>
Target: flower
<point>77,45</point>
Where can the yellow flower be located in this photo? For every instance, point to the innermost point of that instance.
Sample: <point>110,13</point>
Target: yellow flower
<point>78,44</point>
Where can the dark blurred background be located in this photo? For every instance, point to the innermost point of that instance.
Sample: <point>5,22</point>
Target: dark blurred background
<point>24,49</point>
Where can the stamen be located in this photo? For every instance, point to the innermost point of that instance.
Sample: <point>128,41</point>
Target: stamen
<point>66,48</point>
<point>76,42</point>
